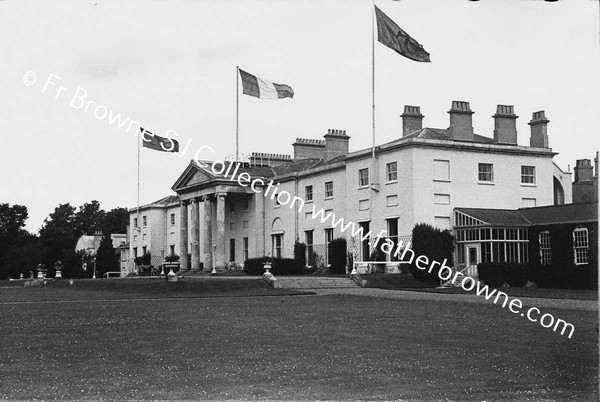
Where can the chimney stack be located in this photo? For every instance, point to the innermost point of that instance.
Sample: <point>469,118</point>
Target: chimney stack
<point>539,130</point>
<point>505,125</point>
<point>584,172</point>
<point>336,144</point>
<point>412,120</point>
<point>461,121</point>
<point>309,148</point>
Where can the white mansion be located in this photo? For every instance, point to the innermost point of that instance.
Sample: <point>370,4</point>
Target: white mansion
<point>422,176</point>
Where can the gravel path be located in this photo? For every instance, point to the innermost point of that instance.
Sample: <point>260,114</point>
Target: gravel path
<point>584,305</point>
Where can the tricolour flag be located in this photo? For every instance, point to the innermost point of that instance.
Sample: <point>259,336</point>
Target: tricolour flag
<point>263,89</point>
<point>158,143</point>
<point>391,35</point>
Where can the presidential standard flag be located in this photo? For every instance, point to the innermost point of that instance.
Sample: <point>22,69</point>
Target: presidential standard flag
<point>158,143</point>
<point>263,89</point>
<point>395,38</point>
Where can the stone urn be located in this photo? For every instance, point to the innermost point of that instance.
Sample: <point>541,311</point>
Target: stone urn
<point>171,276</point>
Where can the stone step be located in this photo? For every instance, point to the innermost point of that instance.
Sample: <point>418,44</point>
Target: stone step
<point>313,283</point>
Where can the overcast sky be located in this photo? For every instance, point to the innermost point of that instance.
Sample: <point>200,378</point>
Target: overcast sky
<point>171,65</point>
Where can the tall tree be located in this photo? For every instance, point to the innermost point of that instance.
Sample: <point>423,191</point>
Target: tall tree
<point>58,233</point>
<point>15,241</point>
<point>115,221</point>
<point>106,260</point>
<point>89,218</point>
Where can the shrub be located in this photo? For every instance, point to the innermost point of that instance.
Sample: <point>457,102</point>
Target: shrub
<point>496,274</point>
<point>279,266</point>
<point>146,258</point>
<point>300,254</point>
<point>337,255</point>
<point>436,245</point>
<point>172,258</point>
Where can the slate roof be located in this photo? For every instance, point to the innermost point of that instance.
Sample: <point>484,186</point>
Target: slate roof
<point>567,213</point>
<point>497,217</point>
<point>443,134</point>
<point>552,214</point>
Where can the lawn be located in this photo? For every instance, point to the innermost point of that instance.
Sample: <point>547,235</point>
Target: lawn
<point>283,347</point>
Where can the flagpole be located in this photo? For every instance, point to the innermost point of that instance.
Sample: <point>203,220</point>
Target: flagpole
<point>237,114</point>
<point>138,182</point>
<point>373,72</point>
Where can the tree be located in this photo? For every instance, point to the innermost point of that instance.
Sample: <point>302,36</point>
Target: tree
<point>106,260</point>
<point>89,219</point>
<point>115,221</point>
<point>18,248</point>
<point>58,234</point>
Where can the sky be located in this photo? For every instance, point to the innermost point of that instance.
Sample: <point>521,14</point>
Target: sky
<point>172,65</point>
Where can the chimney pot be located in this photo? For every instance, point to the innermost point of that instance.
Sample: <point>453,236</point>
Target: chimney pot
<point>584,172</point>
<point>505,125</point>
<point>412,120</point>
<point>461,121</point>
<point>539,130</point>
<point>336,144</point>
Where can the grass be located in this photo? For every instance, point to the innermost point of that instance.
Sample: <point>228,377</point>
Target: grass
<point>284,348</point>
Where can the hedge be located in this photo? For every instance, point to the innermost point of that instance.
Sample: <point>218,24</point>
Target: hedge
<point>279,266</point>
<point>496,274</point>
<point>436,245</point>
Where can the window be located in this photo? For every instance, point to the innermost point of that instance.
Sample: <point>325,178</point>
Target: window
<point>392,230</point>
<point>134,237</point>
<point>363,177</point>
<point>391,171</point>
<point>392,200</point>
<point>277,203</point>
<point>528,174</point>
<point>144,220</point>
<point>246,204</point>
<point>172,249</point>
<point>172,235</point>
<point>124,255</point>
<point>245,224</point>
<point>232,226</point>
<point>363,205</point>
<point>328,240</point>
<point>232,207</point>
<point>442,199</point>
<point>277,245</point>
<point>144,236</point>
<point>365,244</point>
<point>329,189</point>
<point>442,222</point>
<point>172,219</point>
<point>245,241</point>
<point>441,170</point>
<point>135,222</point>
<point>135,252</point>
<point>308,193</point>
<point>231,250</point>
<point>486,172</point>
<point>144,252</point>
<point>580,246</point>
<point>545,254</point>
<point>528,202</point>
<point>308,239</point>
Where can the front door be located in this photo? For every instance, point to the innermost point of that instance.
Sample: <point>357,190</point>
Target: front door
<point>473,258</point>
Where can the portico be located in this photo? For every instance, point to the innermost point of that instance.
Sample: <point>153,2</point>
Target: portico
<point>217,217</point>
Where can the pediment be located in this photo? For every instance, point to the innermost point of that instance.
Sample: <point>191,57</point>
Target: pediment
<point>192,175</point>
<point>196,177</point>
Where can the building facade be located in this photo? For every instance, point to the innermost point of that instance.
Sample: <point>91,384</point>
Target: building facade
<point>422,176</point>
